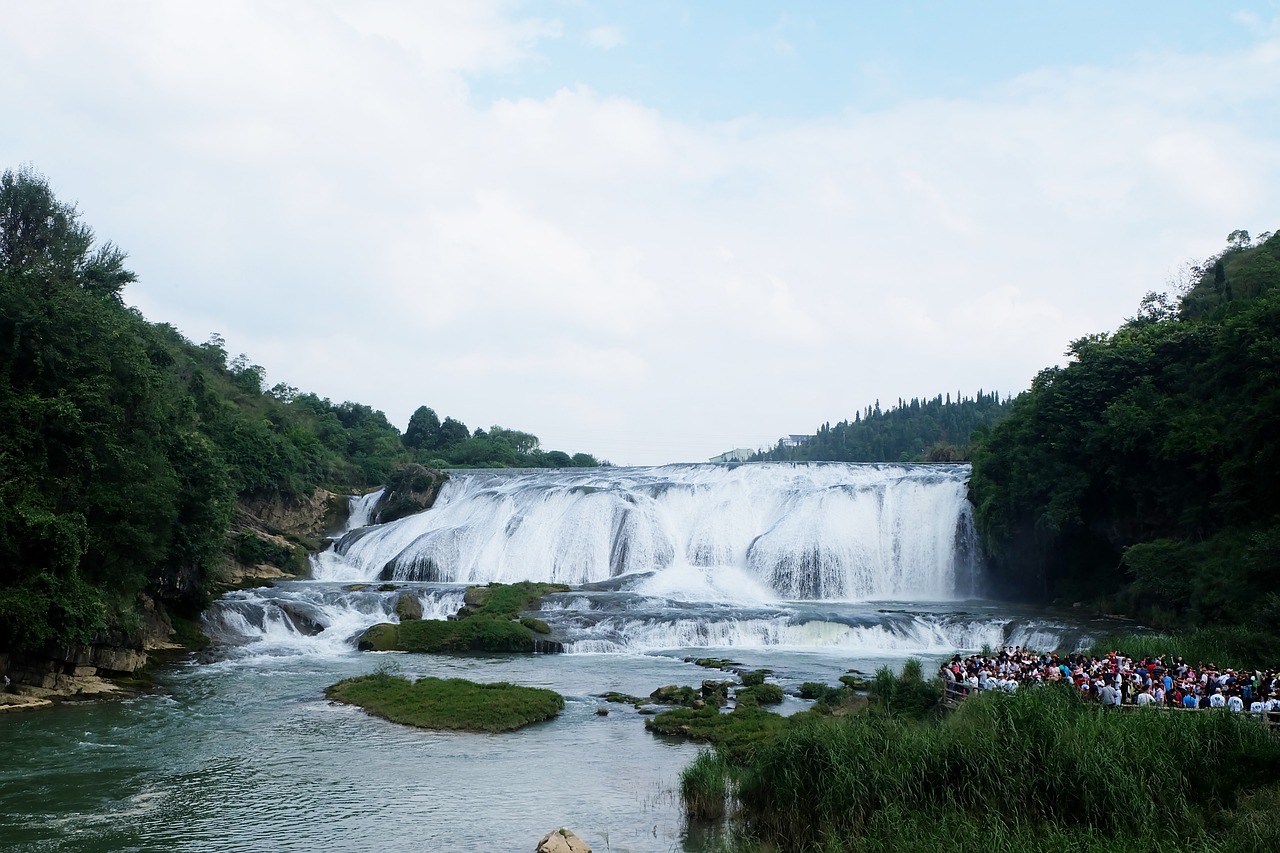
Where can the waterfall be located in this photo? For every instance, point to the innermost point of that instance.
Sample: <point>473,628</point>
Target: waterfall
<point>816,531</point>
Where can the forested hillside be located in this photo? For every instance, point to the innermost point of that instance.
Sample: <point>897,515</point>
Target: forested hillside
<point>936,430</point>
<point>1146,470</point>
<point>125,448</point>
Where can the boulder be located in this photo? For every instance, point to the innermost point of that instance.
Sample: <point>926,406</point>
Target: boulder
<point>383,637</point>
<point>408,607</point>
<point>562,841</point>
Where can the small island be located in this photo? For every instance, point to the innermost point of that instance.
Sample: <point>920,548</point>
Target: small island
<point>453,704</point>
<point>489,621</point>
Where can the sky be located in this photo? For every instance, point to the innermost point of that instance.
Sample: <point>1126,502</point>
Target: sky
<point>651,232</point>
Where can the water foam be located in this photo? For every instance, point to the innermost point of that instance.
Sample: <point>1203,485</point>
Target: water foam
<point>824,531</point>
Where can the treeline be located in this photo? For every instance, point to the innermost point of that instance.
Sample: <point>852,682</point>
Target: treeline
<point>448,444</point>
<point>1145,475</point>
<point>124,447</point>
<point>936,430</point>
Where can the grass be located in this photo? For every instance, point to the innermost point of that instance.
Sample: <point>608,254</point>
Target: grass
<point>737,735</point>
<point>449,704</point>
<point>489,621</point>
<point>1234,647</point>
<point>704,786</point>
<point>1038,769</point>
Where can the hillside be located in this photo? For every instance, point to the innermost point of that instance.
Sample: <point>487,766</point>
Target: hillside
<point>137,467</point>
<point>1143,475</point>
<point>934,430</point>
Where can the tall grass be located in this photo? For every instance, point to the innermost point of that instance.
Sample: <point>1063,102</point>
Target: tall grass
<point>704,786</point>
<point>1035,763</point>
<point>1235,646</point>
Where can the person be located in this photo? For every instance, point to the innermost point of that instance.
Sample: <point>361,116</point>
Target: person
<point>1234,703</point>
<point>1189,699</point>
<point>1145,698</point>
<point>1110,696</point>
<point>1217,700</point>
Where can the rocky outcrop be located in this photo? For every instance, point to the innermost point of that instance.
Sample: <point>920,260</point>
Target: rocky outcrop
<point>270,538</point>
<point>408,607</point>
<point>410,488</point>
<point>307,517</point>
<point>85,671</point>
<point>562,841</point>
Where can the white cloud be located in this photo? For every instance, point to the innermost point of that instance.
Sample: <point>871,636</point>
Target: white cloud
<point>605,37</point>
<point>315,183</point>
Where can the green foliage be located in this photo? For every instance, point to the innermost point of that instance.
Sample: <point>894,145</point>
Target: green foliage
<point>1038,763</point>
<point>704,786</point>
<point>936,430</point>
<point>1145,470</point>
<point>1234,646</point>
<point>489,621</point>
<point>508,599</point>
<point>452,704</point>
<point>438,444</point>
<point>254,550</point>
<point>908,694</point>
<point>737,735</point>
<point>759,694</point>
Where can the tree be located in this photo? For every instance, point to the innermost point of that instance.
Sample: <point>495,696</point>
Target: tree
<point>423,431</point>
<point>42,236</point>
<point>453,433</point>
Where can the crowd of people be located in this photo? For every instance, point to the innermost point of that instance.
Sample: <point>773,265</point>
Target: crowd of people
<point>1115,680</point>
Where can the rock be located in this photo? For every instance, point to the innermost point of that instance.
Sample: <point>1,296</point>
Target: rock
<point>382,637</point>
<point>602,712</point>
<point>562,841</point>
<point>18,702</point>
<point>118,660</point>
<point>408,607</point>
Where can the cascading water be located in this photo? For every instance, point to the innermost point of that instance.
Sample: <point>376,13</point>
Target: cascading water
<point>819,531</point>
<point>774,556</point>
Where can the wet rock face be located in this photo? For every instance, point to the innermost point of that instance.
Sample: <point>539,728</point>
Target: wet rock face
<point>408,607</point>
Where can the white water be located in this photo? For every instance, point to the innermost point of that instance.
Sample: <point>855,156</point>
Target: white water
<point>765,557</point>
<point>820,531</point>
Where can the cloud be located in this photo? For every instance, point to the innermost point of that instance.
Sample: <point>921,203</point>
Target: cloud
<point>316,183</point>
<point>605,37</point>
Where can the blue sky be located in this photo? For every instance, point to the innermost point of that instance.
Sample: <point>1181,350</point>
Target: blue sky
<point>652,232</point>
<point>716,61</point>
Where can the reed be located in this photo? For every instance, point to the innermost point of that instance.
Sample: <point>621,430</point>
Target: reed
<point>704,786</point>
<point>1041,769</point>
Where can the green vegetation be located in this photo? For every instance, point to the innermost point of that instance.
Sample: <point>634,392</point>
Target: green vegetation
<point>704,788</point>
<point>125,447</point>
<point>448,443</point>
<point>1143,475</point>
<point>1038,769</point>
<point>1235,647</point>
<point>936,430</point>
<point>489,621</point>
<point>452,704</point>
<point>737,734</point>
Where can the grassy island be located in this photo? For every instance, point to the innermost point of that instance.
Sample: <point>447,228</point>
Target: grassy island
<point>453,704</point>
<point>489,621</point>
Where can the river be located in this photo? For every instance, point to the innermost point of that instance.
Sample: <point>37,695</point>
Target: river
<point>240,751</point>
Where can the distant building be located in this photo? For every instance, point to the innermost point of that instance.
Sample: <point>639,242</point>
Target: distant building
<point>740,454</point>
<point>796,440</point>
